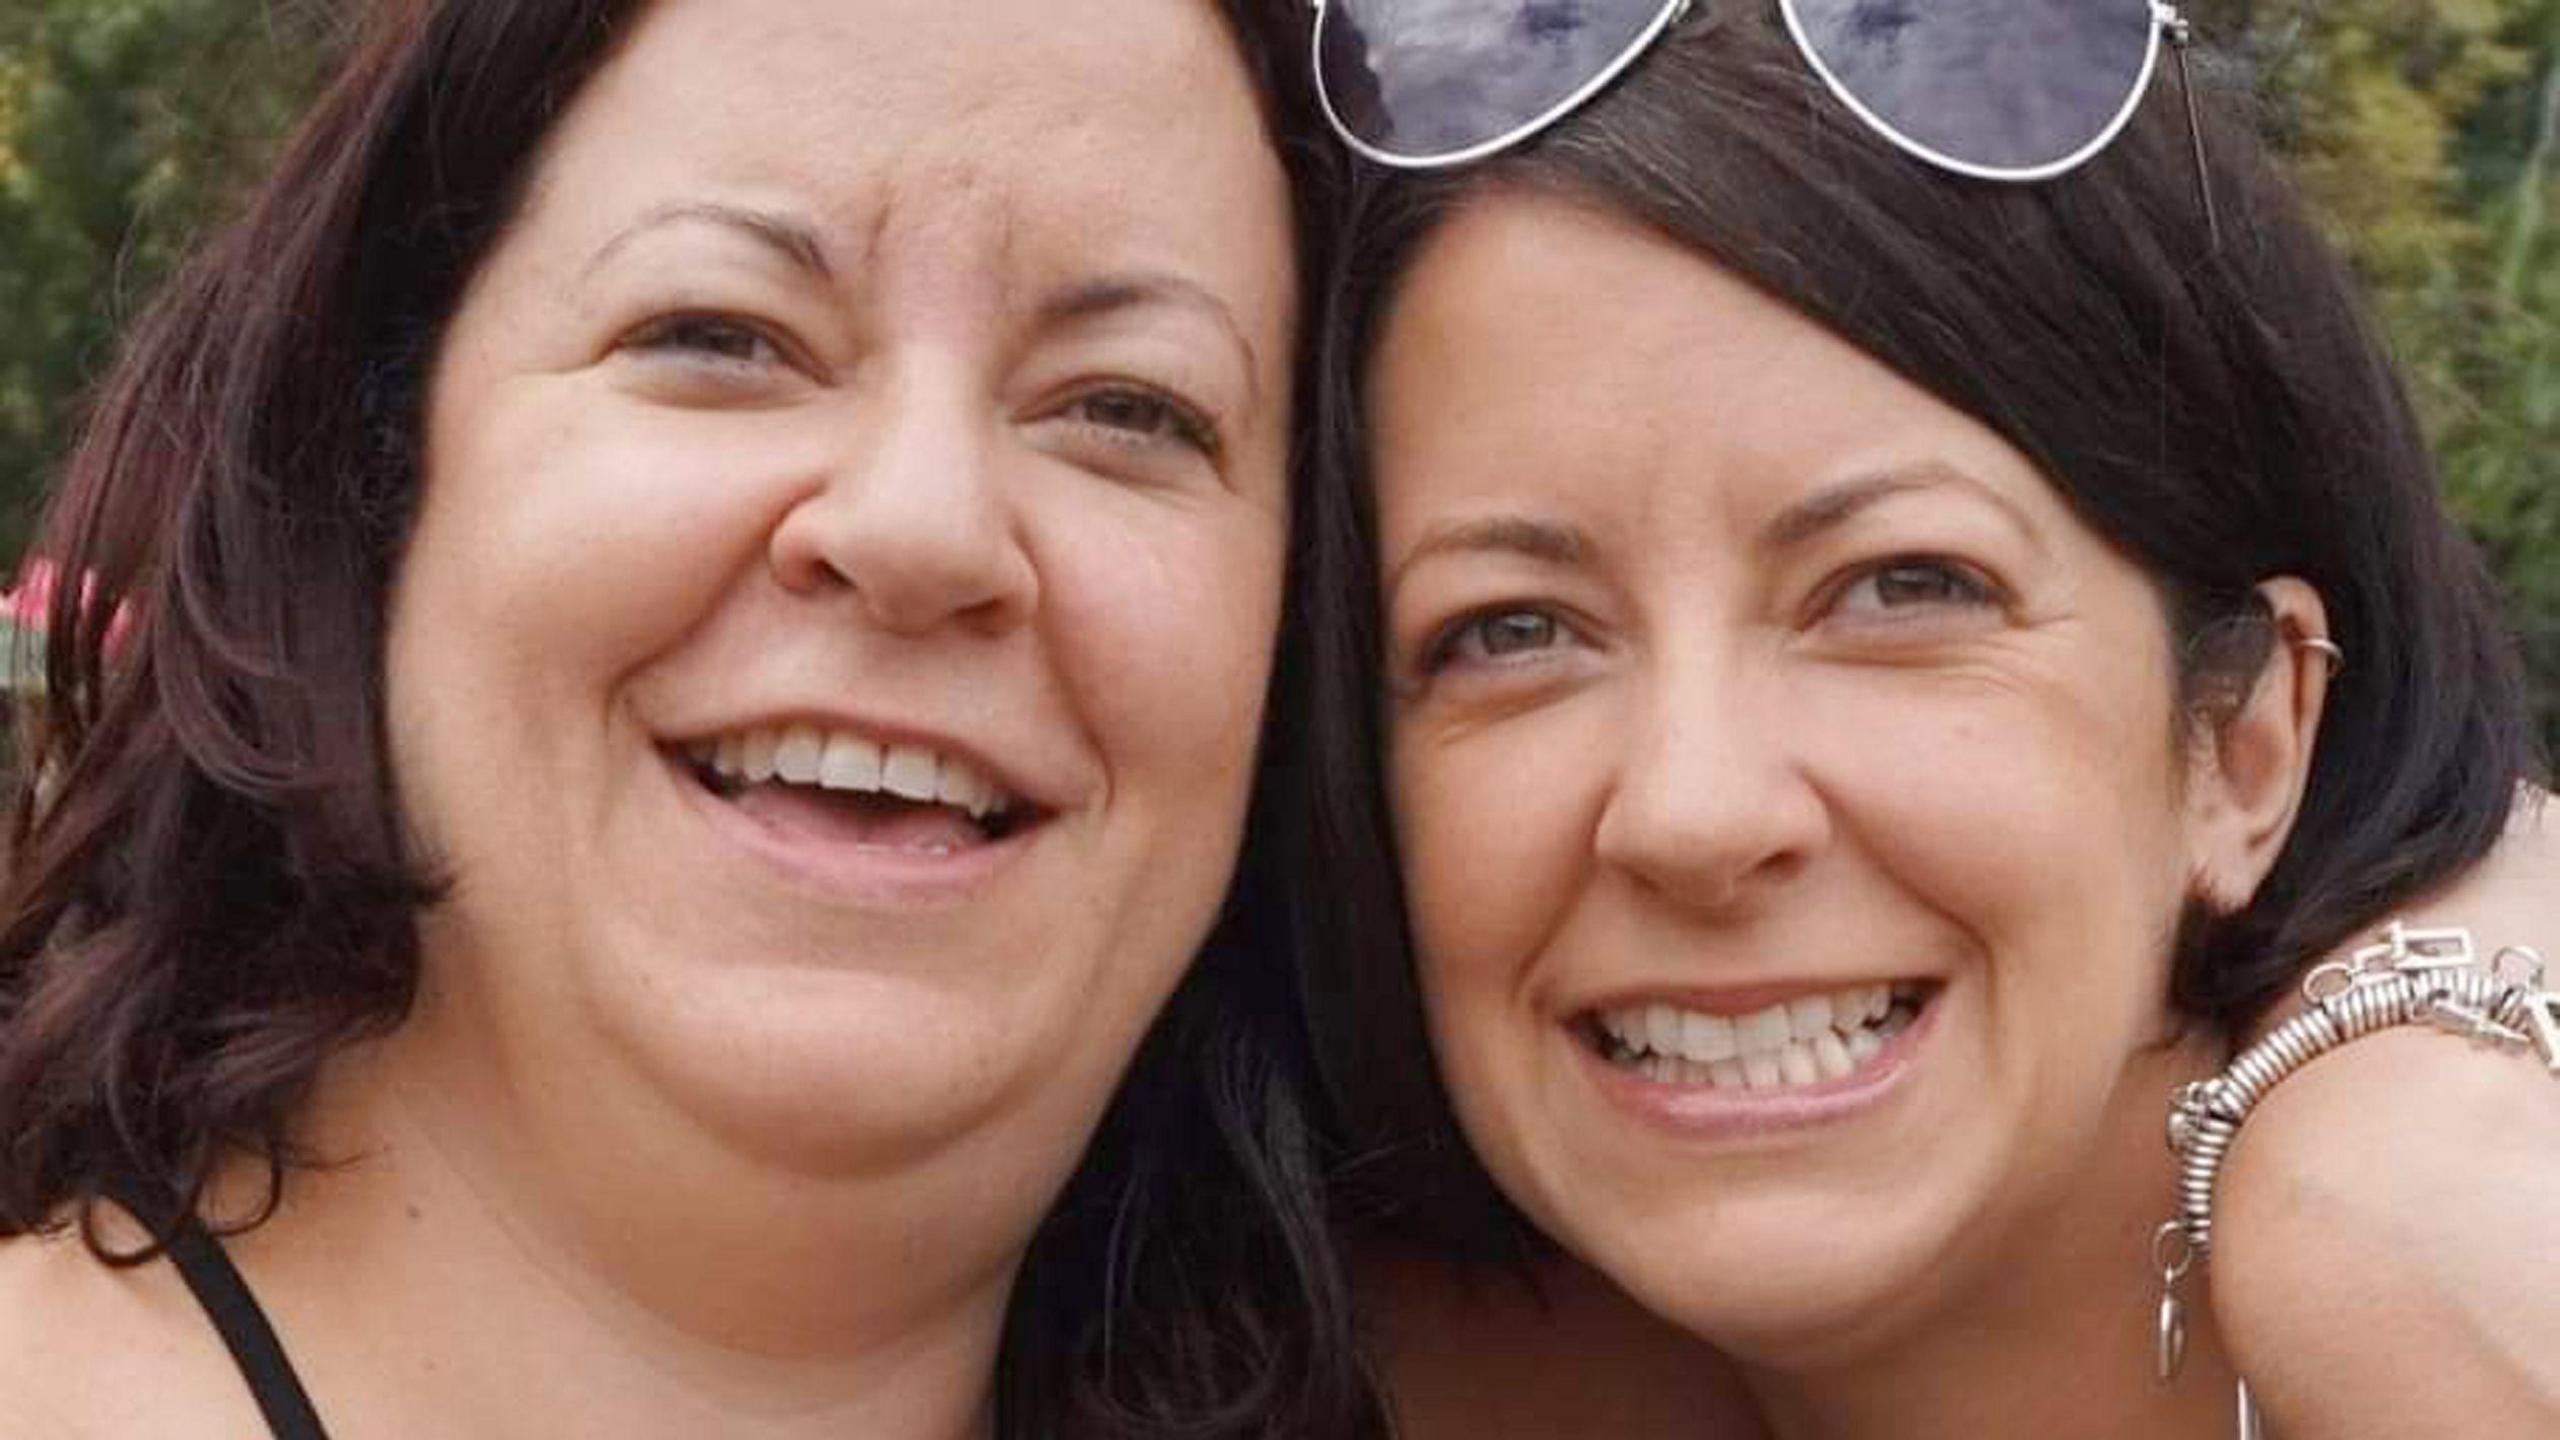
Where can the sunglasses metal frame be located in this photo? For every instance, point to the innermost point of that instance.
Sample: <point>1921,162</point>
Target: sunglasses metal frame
<point>1664,18</point>
<point>2166,20</point>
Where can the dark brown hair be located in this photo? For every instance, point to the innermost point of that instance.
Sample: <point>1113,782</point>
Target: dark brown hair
<point>209,894</point>
<point>2222,413</point>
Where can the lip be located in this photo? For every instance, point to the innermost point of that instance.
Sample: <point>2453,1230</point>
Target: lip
<point>1706,1113</point>
<point>878,878</point>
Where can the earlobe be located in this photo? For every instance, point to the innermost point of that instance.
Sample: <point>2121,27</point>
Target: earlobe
<point>2254,764</point>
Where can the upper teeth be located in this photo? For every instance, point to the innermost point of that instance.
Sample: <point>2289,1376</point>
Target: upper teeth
<point>840,760</point>
<point>1796,1042</point>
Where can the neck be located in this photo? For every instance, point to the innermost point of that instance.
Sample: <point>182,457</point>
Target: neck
<point>626,1276</point>
<point>2057,1333</point>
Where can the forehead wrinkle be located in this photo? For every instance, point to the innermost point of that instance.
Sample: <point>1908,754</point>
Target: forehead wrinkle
<point>951,216</point>
<point>1008,253</point>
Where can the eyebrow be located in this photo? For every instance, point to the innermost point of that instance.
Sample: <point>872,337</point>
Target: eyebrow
<point>1830,508</point>
<point>1104,294</point>
<point>1541,540</point>
<point>792,239</point>
<point>1553,543</point>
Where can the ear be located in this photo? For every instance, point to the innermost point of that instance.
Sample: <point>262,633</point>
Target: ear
<point>2247,776</point>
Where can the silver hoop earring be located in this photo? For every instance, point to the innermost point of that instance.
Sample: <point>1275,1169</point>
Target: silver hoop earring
<point>2326,649</point>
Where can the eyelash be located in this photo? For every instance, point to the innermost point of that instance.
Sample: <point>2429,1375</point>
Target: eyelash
<point>1964,587</point>
<point>708,338</point>
<point>715,339</point>
<point>1164,418</point>
<point>1441,651</point>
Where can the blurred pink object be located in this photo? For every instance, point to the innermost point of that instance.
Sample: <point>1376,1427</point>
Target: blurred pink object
<point>27,604</point>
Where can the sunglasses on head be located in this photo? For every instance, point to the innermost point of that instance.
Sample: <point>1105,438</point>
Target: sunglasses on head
<point>1995,89</point>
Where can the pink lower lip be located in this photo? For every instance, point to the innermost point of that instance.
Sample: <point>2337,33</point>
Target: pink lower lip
<point>867,876</point>
<point>1708,1112</point>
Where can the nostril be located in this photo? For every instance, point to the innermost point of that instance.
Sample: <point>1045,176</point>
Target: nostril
<point>799,559</point>
<point>809,575</point>
<point>916,561</point>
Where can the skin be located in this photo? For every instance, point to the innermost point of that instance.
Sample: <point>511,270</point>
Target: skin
<point>935,391</point>
<point>2394,1187</point>
<point>2354,1144</point>
<point>1719,756</point>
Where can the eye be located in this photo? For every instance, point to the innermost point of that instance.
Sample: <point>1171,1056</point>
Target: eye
<point>1913,583</point>
<point>1135,415</point>
<point>717,339</point>
<point>1494,637</point>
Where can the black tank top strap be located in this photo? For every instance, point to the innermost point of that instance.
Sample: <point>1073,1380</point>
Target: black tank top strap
<point>225,1296</point>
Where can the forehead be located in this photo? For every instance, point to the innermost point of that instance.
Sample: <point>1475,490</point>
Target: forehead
<point>1130,138</point>
<point>1554,298</point>
<point>1546,355</point>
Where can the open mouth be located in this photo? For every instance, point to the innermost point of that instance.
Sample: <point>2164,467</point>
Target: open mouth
<point>1810,1040</point>
<point>846,787</point>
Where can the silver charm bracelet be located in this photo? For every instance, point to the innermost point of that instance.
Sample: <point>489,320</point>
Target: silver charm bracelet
<point>2412,977</point>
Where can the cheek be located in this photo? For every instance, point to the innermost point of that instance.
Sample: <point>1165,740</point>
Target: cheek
<point>1160,628</point>
<point>592,531</point>
<point>563,540</point>
<point>2016,792</point>
<point>1493,827</point>
<point>1160,619</point>
<point>2042,824</point>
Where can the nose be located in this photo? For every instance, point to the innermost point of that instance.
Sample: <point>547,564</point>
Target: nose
<point>914,520</point>
<point>1712,806</point>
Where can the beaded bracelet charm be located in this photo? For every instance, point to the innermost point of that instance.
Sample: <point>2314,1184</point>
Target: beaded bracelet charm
<point>2412,976</point>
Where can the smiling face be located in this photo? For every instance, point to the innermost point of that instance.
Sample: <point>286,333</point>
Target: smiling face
<point>830,651</point>
<point>1788,783</point>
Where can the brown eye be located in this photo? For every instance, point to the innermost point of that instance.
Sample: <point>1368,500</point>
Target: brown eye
<point>1144,417</point>
<point>709,337</point>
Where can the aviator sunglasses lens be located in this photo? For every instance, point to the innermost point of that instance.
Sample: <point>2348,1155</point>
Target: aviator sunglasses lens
<point>2008,89</point>
<point>1432,82</point>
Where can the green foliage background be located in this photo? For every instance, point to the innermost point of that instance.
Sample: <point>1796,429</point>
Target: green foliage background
<point>124,126</point>
<point>2427,130</point>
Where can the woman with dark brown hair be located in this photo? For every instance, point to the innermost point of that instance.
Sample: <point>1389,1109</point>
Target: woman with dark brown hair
<point>1877,612</point>
<point>700,581</point>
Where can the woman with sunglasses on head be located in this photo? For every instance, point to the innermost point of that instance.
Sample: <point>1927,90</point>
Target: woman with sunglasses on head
<point>664,687</point>
<point>1860,691</point>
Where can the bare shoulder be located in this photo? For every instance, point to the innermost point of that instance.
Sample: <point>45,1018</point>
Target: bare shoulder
<point>2380,1222</point>
<point>1482,1356</point>
<point>90,1350</point>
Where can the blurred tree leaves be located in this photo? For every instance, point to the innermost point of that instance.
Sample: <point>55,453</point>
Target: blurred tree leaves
<point>2427,132</point>
<point>2423,129</point>
<point>124,124</point>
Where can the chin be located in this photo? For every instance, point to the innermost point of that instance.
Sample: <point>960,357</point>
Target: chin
<point>1789,1276</point>
<point>841,1085</point>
